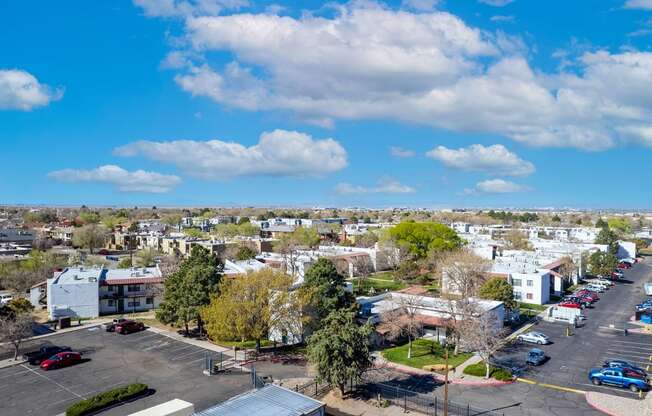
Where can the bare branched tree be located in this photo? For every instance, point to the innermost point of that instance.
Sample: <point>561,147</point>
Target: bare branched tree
<point>462,273</point>
<point>481,332</point>
<point>15,328</point>
<point>403,320</point>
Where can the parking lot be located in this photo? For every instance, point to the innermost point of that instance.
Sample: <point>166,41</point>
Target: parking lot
<point>571,357</point>
<point>172,368</point>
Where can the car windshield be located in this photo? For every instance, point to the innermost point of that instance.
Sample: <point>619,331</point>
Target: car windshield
<point>55,358</point>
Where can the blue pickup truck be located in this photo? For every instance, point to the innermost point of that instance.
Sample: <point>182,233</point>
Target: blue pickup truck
<point>620,377</point>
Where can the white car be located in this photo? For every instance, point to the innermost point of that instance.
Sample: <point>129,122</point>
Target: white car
<point>534,337</point>
<point>4,299</point>
<point>595,288</point>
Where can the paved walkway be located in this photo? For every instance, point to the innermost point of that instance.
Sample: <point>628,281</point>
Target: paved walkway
<point>619,406</point>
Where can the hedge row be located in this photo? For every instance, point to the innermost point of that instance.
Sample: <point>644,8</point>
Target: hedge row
<point>106,399</point>
<point>479,370</point>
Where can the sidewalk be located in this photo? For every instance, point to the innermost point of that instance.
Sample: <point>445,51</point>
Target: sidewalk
<point>619,406</point>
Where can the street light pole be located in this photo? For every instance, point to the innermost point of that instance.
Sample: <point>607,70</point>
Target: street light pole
<point>446,381</point>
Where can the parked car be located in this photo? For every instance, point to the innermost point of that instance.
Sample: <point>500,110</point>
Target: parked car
<point>624,364</point>
<point>617,274</point>
<point>35,357</point>
<point>595,288</point>
<point>5,298</point>
<point>571,304</point>
<point>62,359</point>
<point>536,357</point>
<point>584,301</point>
<point>629,260</point>
<point>534,337</point>
<point>128,327</point>
<point>588,293</point>
<point>643,306</point>
<point>624,265</point>
<point>620,377</point>
<point>110,327</point>
<point>604,282</point>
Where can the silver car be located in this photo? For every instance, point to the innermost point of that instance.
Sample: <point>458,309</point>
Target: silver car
<point>534,337</point>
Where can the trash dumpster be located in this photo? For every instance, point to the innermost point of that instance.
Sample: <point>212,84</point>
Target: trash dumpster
<point>64,322</point>
<point>646,318</point>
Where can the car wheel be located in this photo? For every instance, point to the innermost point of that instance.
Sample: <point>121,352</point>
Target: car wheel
<point>596,381</point>
<point>634,388</point>
<point>540,342</point>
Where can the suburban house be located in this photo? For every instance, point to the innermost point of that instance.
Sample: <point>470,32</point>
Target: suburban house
<point>90,292</point>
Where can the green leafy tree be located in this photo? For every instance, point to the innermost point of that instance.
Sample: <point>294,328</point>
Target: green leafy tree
<point>146,257</point>
<point>602,264</point>
<point>498,289</point>
<point>422,238</point>
<point>326,289</point>
<point>620,225</point>
<point>641,243</point>
<point>173,220</point>
<point>89,236</point>
<point>194,233</point>
<point>600,223</point>
<point>88,217</point>
<point>608,237</point>
<point>124,263</point>
<point>556,218</point>
<point>245,253</point>
<point>190,288</point>
<point>339,351</point>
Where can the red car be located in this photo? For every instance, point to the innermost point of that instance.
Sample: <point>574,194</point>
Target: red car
<point>128,327</point>
<point>588,294</point>
<point>571,304</point>
<point>62,359</point>
<point>624,266</point>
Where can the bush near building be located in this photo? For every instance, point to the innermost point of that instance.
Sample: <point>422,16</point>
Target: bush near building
<point>106,399</point>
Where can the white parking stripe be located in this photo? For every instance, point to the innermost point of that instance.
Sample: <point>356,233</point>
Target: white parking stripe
<point>52,381</point>
<point>632,353</point>
<point>185,346</point>
<point>153,347</point>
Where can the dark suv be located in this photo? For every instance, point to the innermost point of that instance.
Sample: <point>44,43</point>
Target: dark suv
<point>128,327</point>
<point>35,357</point>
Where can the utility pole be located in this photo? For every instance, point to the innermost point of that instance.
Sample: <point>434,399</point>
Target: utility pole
<point>446,381</point>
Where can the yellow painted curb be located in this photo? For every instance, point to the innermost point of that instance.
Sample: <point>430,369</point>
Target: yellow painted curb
<point>551,386</point>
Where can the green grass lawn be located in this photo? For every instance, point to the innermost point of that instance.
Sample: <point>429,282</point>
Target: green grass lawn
<point>424,352</point>
<point>383,276</point>
<point>532,306</point>
<point>378,285</point>
<point>244,344</point>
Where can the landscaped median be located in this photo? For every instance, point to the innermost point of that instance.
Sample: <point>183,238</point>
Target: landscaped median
<point>107,399</point>
<point>480,370</point>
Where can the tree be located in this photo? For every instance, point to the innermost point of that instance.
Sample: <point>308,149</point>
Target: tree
<point>88,217</point>
<point>621,225</point>
<point>556,218</point>
<point>601,263</point>
<point>89,236</point>
<point>421,238</point>
<point>124,263</point>
<point>194,233</point>
<point>499,289</point>
<point>366,240</point>
<point>146,257</point>
<point>462,273</point>
<point>482,333</point>
<point>111,221</point>
<point>326,290</point>
<point>608,237</point>
<point>15,328</point>
<point>245,252</point>
<point>245,306</point>
<point>600,223</point>
<point>339,351</point>
<point>403,321</point>
<point>641,244</point>
<point>173,220</point>
<point>190,288</point>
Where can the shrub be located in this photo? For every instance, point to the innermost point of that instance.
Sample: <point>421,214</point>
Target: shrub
<point>106,399</point>
<point>479,370</point>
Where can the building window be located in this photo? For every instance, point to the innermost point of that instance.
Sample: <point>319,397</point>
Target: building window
<point>111,303</point>
<point>133,304</point>
<point>530,283</point>
<point>529,296</point>
<point>149,301</point>
<point>133,288</point>
<point>111,288</point>
<point>517,282</point>
<point>518,295</point>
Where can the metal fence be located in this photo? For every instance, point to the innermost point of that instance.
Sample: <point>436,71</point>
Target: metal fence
<point>419,402</point>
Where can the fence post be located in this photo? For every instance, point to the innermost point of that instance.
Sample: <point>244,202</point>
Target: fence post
<point>405,401</point>
<point>315,389</point>
<point>468,409</point>
<point>435,405</point>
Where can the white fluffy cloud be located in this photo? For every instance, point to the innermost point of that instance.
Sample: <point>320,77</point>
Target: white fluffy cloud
<point>496,186</point>
<point>494,160</point>
<point>385,185</point>
<point>497,3</point>
<point>185,8</point>
<point>278,153</point>
<point>20,90</point>
<point>373,62</point>
<point>123,180</point>
<point>638,4</point>
<point>398,151</point>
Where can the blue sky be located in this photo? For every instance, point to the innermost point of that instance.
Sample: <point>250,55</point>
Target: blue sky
<point>469,103</point>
